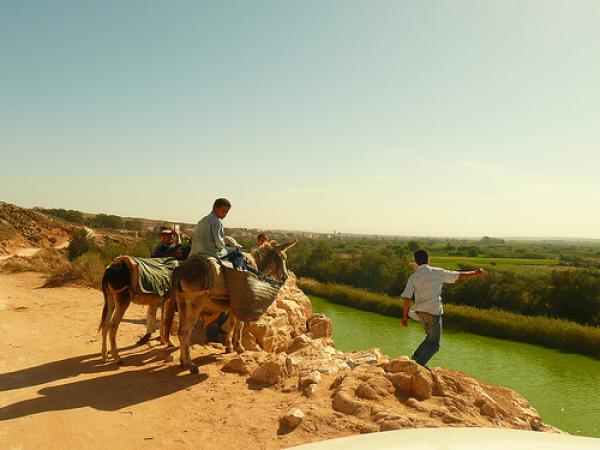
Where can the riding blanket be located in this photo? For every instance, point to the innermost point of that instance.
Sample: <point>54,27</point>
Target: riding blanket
<point>149,275</point>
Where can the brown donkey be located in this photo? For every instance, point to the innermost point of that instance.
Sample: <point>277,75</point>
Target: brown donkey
<point>200,292</point>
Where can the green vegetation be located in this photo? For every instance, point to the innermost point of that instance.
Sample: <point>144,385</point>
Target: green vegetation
<point>106,221</point>
<point>527,278</point>
<point>459,262</point>
<point>545,331</point>
<point>69,215</point>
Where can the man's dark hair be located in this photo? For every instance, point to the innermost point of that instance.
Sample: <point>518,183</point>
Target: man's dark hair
<point>421,257</point>
<point>221,202</point>
<point>261,235</point>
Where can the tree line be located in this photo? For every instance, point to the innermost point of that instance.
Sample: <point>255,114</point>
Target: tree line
<point>567,293</point>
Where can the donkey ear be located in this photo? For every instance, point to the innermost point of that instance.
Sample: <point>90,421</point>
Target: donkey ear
<point>286,245</point>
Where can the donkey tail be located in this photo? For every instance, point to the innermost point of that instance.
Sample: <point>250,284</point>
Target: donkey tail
<point>105,293</point>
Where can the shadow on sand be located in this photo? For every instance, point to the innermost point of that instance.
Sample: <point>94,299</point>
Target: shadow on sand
<point>116,390</point>
<point>66,368</point>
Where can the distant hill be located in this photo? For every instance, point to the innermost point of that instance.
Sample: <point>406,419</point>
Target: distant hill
<point>22,227</point>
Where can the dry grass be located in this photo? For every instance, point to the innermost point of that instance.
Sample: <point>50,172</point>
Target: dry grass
<point>46,261</point>
<point>85,270</point>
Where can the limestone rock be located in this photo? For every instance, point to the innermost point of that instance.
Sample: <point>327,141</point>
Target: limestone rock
<point>402,364</point>
<point>401,381</point>
<point>310,390</point>
<point>421,386</point>
<point>344,402</point>
<point>371,356</point>
<point>292,418</point>
<point>281,323</point>
<point>272,371</point>
<point>307,377</point>
<point>299,343</point>
<point>319,326</point>
<point>244,363</point>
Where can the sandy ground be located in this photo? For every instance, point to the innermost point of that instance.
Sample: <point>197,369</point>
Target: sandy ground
<point>55,392</point>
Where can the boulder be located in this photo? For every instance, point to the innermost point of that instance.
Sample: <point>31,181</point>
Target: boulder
<point>245,363</point>
<point>421,386</point>
<point>292,418</point>
<point>271,371</point>
<point>319,326</point>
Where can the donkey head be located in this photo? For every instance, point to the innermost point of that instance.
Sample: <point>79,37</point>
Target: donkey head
<point>270,258</point>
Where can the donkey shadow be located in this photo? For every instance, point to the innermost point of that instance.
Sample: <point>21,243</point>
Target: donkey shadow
<point>71,367</point>
<point>106,393</point>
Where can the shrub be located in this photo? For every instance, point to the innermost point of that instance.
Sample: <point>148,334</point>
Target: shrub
<point>80,244</point>
<point>85,270</point>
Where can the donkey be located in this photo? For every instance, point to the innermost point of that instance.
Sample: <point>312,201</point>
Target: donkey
<point>118,295</point>
<point>196,298</point>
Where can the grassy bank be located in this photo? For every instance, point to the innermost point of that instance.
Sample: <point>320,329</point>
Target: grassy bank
<point>544,331</point>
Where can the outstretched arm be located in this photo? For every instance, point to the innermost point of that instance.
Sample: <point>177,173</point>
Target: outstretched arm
<point>472,273</point>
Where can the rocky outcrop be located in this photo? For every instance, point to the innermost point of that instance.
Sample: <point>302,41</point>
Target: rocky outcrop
<point>292,350</point>
<point>284,320</point>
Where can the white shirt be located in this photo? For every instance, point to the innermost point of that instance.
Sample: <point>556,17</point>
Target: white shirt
<point>426,285</point>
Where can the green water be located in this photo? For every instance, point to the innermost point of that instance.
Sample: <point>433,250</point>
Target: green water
<point>563,387</point>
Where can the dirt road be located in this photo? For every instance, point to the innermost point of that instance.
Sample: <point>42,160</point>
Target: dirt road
<point>55,393</point>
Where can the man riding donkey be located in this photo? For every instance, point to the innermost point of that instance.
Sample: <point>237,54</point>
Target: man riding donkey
<point>209,240</point>
<point>218,278</point>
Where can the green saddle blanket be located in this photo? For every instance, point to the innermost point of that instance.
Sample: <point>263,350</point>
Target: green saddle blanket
<point>154,274</point>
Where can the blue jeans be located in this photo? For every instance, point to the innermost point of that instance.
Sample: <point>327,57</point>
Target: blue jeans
<point>433,338</point>
<point>235,255</point>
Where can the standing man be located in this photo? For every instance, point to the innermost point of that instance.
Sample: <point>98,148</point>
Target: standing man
<point>209,236</point>
<point>426,286</point>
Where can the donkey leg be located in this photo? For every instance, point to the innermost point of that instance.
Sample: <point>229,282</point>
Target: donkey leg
<point>191,317</point>
<point>237,336</point>
<point>122,303</point>
<point>105,325</point>
<point>229,329</point>
<point>150,323</point>
<point>164,328</point>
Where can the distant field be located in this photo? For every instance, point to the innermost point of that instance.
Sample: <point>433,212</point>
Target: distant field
<point>451,262</point>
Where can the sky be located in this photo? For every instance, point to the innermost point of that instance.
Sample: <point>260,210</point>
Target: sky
<point>428,118</point>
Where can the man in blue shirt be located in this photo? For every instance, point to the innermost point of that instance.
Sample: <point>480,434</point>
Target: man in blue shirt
<point>209,236</point>
<point>426,287</point>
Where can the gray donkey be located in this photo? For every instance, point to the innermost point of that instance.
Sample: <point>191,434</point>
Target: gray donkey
<point>200,296</point>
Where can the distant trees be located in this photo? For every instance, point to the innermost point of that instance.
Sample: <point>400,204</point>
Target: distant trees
<point>135,225</point>
<point>105,221</point>
<point>374,269</point>
<point>568,294</point>
<point>70,215</point>
<point>384,266</point>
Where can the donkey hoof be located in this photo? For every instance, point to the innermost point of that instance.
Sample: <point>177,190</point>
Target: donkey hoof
<point>144,339</point>
<point>194,370</point>
<point>170,344</point>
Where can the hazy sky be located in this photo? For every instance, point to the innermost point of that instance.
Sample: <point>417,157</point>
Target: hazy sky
<point>444,118</point>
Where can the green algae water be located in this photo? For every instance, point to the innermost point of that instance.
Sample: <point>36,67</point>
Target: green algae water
<point>563,387</point>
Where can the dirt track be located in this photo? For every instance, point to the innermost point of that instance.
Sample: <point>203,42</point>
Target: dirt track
<point>55,393</point>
